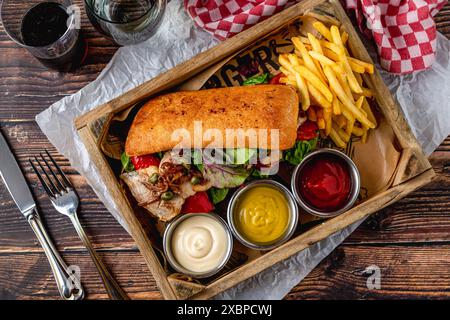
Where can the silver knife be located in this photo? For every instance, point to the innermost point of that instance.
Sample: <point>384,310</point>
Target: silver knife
<point>68,284</point>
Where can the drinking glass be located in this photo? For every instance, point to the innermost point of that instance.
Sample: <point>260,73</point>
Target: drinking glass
<point>126,21</point>
<point>48,29</point>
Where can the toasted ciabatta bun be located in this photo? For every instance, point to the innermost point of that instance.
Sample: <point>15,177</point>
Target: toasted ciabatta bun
<point>248,107</point>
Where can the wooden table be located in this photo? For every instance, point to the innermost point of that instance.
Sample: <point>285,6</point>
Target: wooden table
<point>409,241</point>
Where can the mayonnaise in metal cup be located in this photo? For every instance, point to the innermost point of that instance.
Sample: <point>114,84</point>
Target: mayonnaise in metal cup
<point>198,244</point>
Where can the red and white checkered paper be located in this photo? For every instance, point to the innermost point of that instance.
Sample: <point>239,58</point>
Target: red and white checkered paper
<point>403,30</point>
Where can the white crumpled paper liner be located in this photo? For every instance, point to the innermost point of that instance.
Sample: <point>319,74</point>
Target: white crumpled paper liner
<point>424,98</point>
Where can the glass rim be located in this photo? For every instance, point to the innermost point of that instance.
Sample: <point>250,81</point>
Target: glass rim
<point>16,40</point>
<point>88,7</point>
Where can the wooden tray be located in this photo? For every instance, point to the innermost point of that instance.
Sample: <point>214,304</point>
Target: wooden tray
<point>413,169</point>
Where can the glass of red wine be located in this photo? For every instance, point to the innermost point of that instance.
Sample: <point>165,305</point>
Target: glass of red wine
<point>49,29</point>
<point>126,22</point>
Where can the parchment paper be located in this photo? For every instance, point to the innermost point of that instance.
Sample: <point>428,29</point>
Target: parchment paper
<point>424,98</point>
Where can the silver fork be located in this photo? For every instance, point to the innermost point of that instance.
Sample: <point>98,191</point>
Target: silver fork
<point>65,200</point>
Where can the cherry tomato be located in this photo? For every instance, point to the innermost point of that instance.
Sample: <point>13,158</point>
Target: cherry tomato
<point>142,162</point>
<point>308,131</point>
<point>198,203</point>
<point>276,79</point>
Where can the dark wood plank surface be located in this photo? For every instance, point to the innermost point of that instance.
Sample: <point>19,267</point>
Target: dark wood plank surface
<point>409,241</point>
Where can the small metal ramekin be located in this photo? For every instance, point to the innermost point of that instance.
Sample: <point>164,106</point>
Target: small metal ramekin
<point>168,246</point>
<point>293,214</point>
<point>354,176</point>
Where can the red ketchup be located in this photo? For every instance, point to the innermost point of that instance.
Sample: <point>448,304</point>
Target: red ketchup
<point>325,183</point>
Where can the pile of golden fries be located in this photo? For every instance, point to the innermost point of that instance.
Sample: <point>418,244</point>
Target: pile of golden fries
<point>330,84</point>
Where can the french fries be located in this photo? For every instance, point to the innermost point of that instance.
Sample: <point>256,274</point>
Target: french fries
<point>348,103</point>
<point>342,78</point>
<point>327,115</point>
<point>329,81</point>
<point>337,110</point>
<point>318,98</point>
<point>325,19</point>
<point>325,44</point>
<point>344,37</point>
<point>335,33</point>
<point>359,132</point>
<point>315,44</point>
<point>356,67</point>
<point>301,84</point>
<point>368,67</point>
<point>308,61</point>
<point>370,115</point>
<point>323,30</point>
<point>366,92</point>
<point>340,120</point>
<point>337,139</point>
<point>321,58</point>
<point>359,79</point>
<point>315,82</point>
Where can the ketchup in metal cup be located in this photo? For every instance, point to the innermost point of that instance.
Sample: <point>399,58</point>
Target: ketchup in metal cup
<point>325,183</point>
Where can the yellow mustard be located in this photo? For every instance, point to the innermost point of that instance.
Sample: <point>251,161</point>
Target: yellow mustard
<point>262,214</point>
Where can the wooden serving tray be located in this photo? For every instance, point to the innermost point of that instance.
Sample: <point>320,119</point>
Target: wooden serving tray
<point>413,169</point>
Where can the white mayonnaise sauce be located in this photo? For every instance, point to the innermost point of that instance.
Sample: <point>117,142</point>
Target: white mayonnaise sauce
<point>200,243</point>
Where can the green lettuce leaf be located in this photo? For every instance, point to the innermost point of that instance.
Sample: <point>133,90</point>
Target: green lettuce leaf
<point>224,168</point>
<point>127,165</point>
<point>258,175</point>
<point>240,155</point>
<point>258,79</point>
<point>218,195</point>
<point>197,159</point>
<point>225,176</point>
<point>301,148</point>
